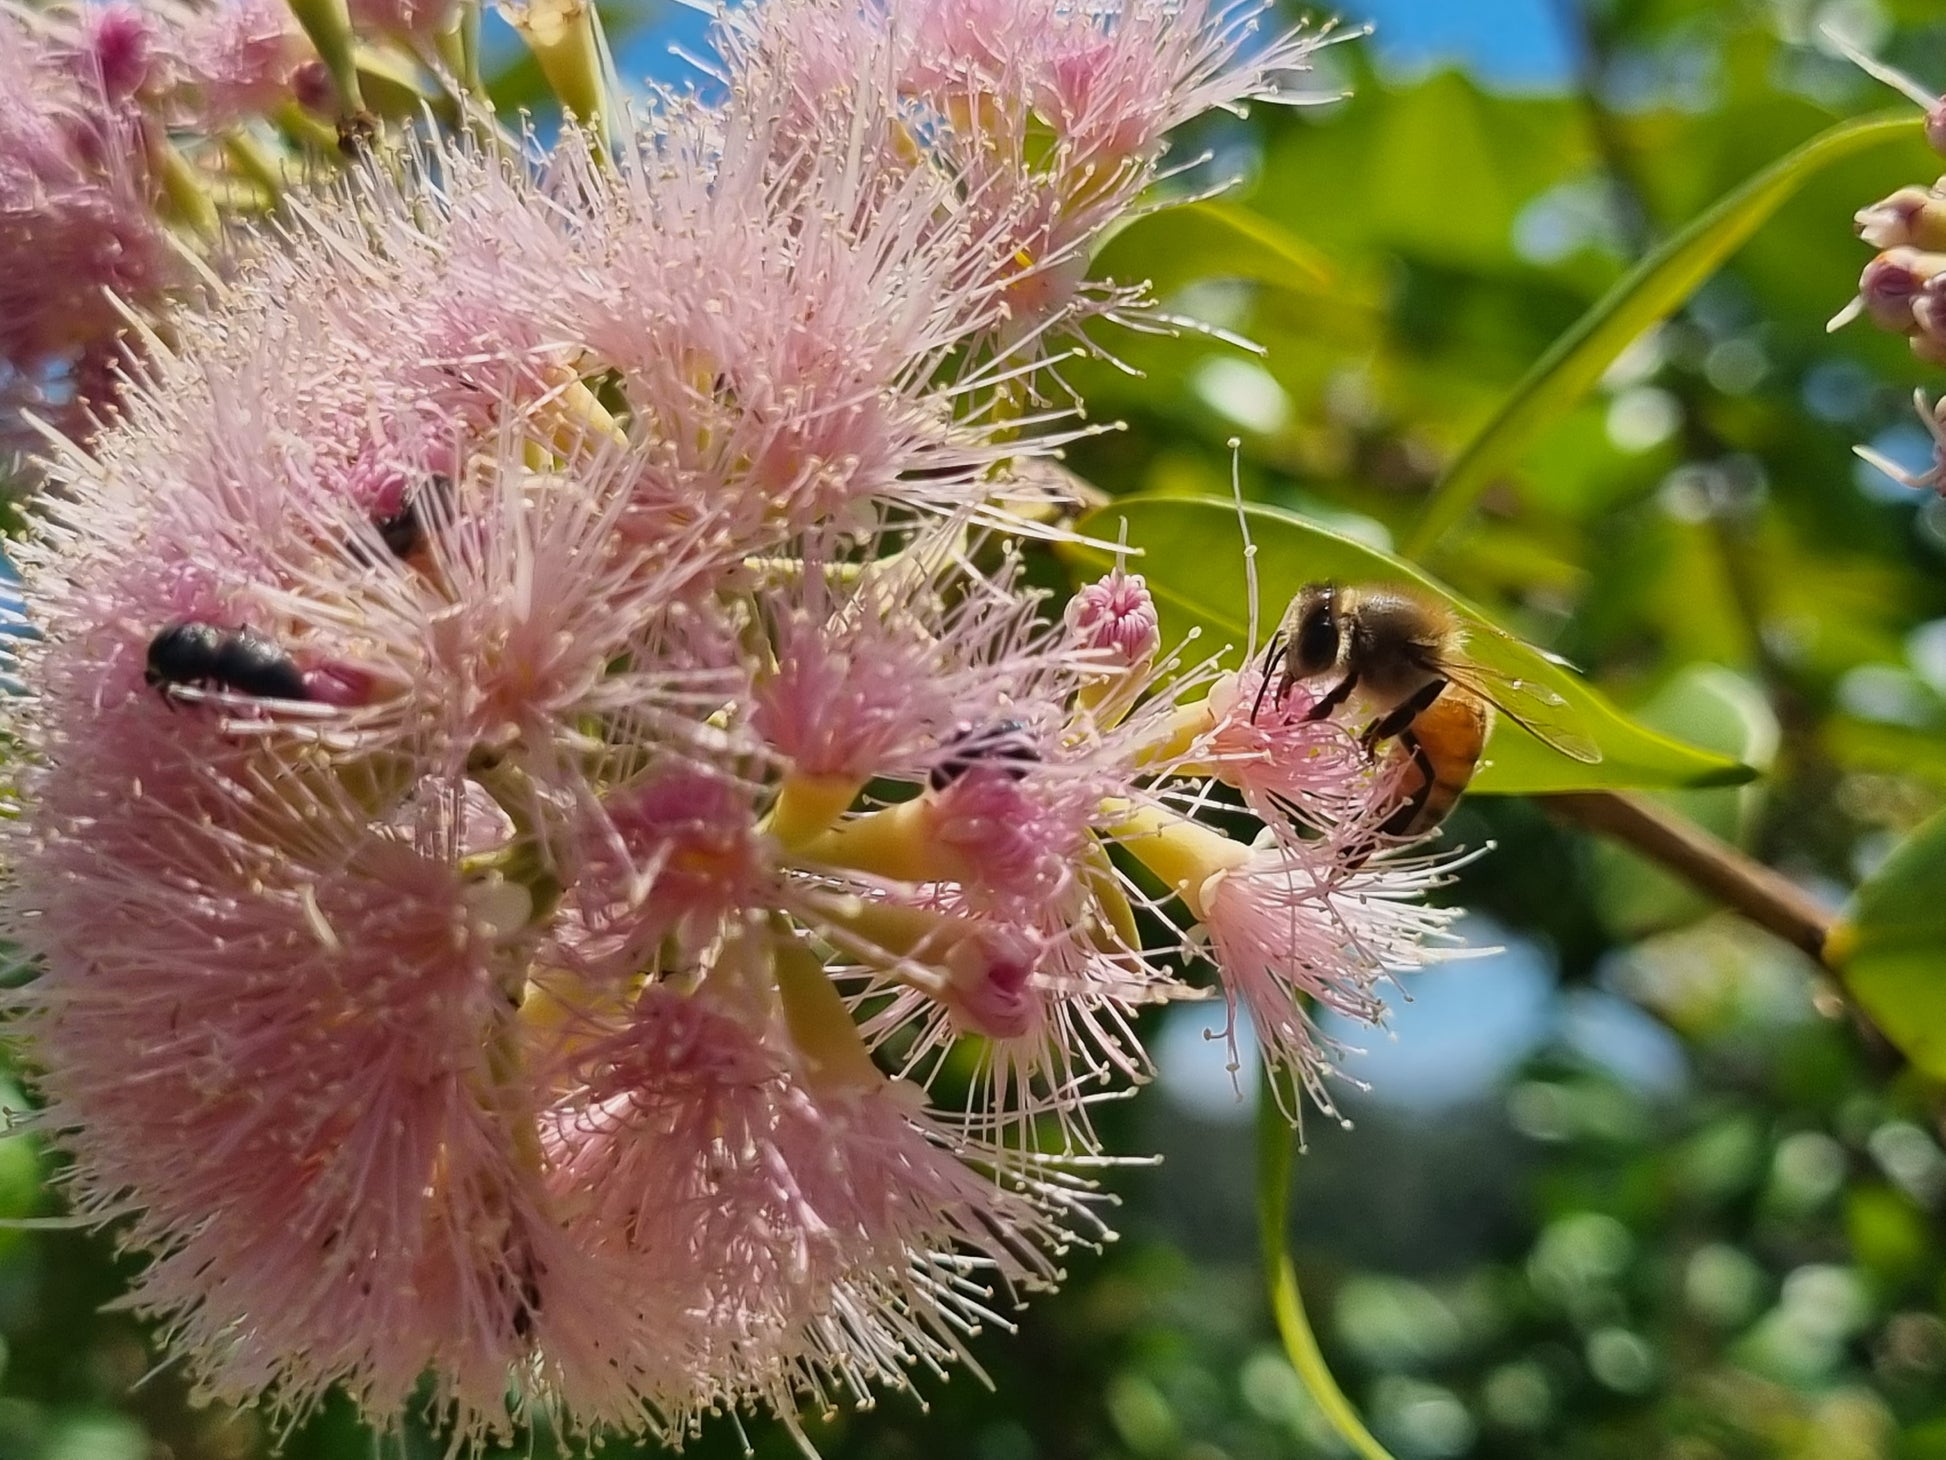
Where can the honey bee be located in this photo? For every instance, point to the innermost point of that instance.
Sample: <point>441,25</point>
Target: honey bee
<point>1403,654</point>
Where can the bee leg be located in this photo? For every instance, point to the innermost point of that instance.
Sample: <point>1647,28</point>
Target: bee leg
<point>1271,658</point>
<point>1339,693</point>
<point>1394,721</point>
<point>1408,811</point>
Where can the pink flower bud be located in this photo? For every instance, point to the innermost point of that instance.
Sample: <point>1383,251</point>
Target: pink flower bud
<point>311,84</point>
<point>1115,617</point>
<point>1913,215</point>
<point>119,43</point>
<point>1891,282</point>
<point>989,976</point>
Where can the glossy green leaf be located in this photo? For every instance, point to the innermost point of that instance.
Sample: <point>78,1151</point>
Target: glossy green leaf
<point>1274,1141</point>
<point>1194,563</point>
<point>1648,293</point>
<point>1890,947</point>
<point>1212,240</point>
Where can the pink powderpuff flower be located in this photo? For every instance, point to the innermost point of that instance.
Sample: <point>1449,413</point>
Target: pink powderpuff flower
<point>77,214</point>
<point>471,661</point>
<point>794,332</point>
<point>230,61</point>
<point>670,856</point>
<point>1052,1013</point>
<point>1286,764</point>
<point>200,67</point>
<point>876,675</point>
<point>1050,1010</point>
<point>819,1234</point>
<point>266,1024</point>
<point>1297,924</point>
<point>1029,937</point>
<point>115,51</point>
<point>1109,82</point>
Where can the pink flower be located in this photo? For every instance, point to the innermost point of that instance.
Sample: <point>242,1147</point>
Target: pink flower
<point>268,1026</point>
<point>1295,925</point>
<point>880,676</point>
<point>77,219</point>
<point>1285,763</point>
<point>801,1229</point>
<point>1109,83</point>
<point>542,754</point>
<point>670,856</point>
<point>116,51</point>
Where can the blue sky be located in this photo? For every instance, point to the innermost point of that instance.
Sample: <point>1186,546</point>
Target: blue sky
<point>1511,43</point>
<point>1507,43</point>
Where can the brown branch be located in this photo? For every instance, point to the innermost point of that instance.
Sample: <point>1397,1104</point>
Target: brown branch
<point>1767,898</point>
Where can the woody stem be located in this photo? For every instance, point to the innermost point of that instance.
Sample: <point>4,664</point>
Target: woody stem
<point>1766,897</point>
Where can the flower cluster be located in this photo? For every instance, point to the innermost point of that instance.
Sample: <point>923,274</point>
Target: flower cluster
<point>1903,288</point>
<point>541,745</point>
<point>130,133</point>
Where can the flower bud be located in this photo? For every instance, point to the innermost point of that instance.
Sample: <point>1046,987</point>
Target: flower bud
<point>1891,282</point>
<point>1929,321</point>
<point>119,46</point>
<point>1913,216</point>
<point>1116,617</point>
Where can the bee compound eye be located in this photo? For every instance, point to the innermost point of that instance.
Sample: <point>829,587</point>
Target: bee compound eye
<point>1316,648</point>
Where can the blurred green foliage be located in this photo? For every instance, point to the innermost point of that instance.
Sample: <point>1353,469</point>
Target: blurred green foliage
<point>1729,1249</point>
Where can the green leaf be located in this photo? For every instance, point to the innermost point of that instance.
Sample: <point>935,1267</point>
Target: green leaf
<point>1652,290</point>
<point>1890,947</point>
<point>1212,240</point>
<point>1274,1141</point>
<point>1194,565</point>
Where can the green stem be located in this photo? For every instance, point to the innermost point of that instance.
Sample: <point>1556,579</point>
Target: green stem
<point>1274,1141</point>
<point>530,858</point>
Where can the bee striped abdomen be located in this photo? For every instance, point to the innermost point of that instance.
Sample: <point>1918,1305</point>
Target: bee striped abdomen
<point>1439,752</point>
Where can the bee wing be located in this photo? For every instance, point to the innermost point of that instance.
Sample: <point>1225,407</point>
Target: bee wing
<point>1538,710</point>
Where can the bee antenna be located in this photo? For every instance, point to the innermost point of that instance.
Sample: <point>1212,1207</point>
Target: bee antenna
<point>1278,644</point>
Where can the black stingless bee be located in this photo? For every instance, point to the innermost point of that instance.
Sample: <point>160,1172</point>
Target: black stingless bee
<point>404,531</point>
<point>1007,742</point>
<point>192,653</point>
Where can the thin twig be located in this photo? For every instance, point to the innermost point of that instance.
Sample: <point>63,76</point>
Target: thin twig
<point>1767,898</point>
